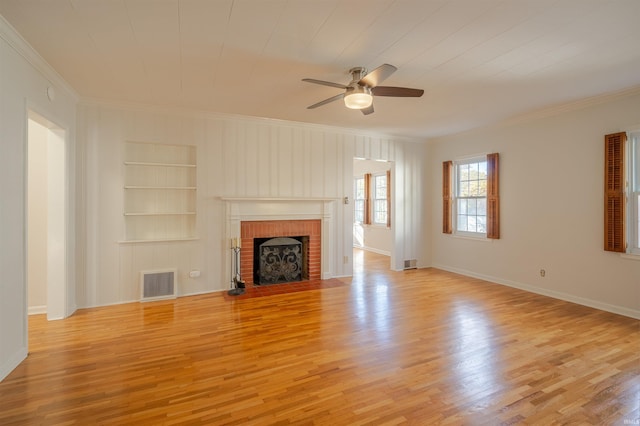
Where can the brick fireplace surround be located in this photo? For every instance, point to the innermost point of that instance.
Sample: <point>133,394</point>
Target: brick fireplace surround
<point>280,228</point>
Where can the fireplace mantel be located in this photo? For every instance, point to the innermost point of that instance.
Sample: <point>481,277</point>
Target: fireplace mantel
<point>240,209</point>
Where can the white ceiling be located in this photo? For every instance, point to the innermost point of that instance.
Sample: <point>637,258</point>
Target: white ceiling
<point>479,61</point>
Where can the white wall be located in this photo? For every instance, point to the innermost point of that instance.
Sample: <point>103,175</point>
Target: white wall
<point>551,189</point>
<point>24,79</point>
<point>236,157</point>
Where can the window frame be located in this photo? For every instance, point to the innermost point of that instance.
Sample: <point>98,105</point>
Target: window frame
<point>455,175</point>
<point>356,199</point>
<point>375,199</point>
<point>493,197</point>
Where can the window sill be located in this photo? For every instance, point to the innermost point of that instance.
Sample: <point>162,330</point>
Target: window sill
<point>630,256</point>
<point>473,238</point>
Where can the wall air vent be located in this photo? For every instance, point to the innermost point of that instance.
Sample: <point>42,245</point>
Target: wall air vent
<point>410,264</point>
<point>158,285</point>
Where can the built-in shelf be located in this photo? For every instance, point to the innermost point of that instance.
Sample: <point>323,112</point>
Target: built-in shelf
<point>159,192</point>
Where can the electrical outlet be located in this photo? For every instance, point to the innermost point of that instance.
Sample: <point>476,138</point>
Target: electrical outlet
<point>346,260</point>
<point>543,273</point>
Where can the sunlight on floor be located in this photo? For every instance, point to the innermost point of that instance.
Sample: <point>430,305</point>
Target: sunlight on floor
<point>358,260</point>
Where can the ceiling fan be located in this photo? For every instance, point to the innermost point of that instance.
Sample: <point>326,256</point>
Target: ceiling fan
<point>358,94</point>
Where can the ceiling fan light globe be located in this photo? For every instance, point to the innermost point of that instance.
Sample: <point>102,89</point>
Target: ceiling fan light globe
<point>358,100</point>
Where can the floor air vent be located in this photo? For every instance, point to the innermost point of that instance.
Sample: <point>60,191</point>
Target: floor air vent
<point>410,264</point>
<point>157,285</point>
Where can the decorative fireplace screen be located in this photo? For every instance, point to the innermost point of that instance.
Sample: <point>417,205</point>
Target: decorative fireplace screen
<point>281,261</point>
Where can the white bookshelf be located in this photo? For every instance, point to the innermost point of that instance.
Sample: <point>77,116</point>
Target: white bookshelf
<point>159,192</point>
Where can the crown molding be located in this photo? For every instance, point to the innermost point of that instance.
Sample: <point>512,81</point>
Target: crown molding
<point>565,107</point>
<point>13,38</point>
<point>191,112</point>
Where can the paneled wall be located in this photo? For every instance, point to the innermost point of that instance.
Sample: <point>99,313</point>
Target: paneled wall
<point>236,157</point>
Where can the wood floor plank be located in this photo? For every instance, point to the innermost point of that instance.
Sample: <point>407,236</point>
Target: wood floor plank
<point>413,347</point>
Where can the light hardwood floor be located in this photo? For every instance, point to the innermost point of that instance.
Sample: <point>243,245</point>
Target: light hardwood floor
<point>418,347</point>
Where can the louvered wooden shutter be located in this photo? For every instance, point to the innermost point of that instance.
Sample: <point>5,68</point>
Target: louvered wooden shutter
<point>367,199</point>
<point>447,168</point>
<point>388,198</point>
<point>493,197</point>
<point>614,192</point>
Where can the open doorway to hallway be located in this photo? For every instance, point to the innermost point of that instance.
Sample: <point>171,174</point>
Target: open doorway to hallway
<point>46,218</point>
<point>372,193</point>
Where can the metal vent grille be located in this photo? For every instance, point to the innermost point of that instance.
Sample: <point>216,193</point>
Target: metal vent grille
<point>410,264</point>
<point>157,285</point>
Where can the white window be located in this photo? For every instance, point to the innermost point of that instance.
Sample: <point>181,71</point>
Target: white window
<point>470,197</point>
<point>634,192</point>
<point>359,199</point>
<point>380,199</point>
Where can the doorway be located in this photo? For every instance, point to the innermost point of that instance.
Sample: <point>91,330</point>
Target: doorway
<point>372,195</point>
<point>46,218</point>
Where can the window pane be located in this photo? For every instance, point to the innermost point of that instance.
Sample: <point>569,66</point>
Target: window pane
<point>635,161</point>
<point>471,223</point>
<point>359,189</point>
<point>473,188</point>
<point>381,187</point>
<point>482,188</point>
<point>462,222</point>
<point>359,211</point>
<point>463,172</point>
<point>462,206</point>
<point>379,194</point>
<point>464,189</point>
<point>471,207</point>
<point>482,206</point>
<point>482,169</point>
<point>482,223</point>
<point>473,171</point>
<point>380,211</point>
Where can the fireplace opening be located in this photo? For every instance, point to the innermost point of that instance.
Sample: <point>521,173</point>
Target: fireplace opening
<point>280,260</point>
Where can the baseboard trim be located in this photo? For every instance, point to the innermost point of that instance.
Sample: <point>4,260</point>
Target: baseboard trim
<point>36,310</point>
<point>620,310</point>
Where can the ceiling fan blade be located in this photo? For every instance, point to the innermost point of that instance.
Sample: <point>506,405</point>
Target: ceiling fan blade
<point>376,76</point>
<point>324,83</point>
<point>402,92</point>
<point>326,101</point>
<point>368,110</point>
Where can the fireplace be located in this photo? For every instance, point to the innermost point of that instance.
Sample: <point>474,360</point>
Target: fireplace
<point>259,217</point>
<point>274,243</point>
<point>280,260</point>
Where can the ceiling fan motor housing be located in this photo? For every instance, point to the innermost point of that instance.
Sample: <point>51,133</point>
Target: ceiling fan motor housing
<point>357,74</point>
